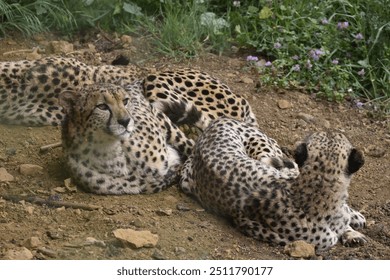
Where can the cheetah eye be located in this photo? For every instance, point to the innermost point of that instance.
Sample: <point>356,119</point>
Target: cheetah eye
<point>102,106</point>
<point>125,101</point>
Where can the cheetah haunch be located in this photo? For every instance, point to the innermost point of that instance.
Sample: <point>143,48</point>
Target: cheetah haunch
<point>238,172</point>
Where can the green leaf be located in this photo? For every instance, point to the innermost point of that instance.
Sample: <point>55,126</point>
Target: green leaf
<point>365,63</point>
<point>265,13</point>
<point>132,8</point>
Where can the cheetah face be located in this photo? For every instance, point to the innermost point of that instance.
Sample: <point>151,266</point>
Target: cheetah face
<point>100,110</point>
<point>329,152</point>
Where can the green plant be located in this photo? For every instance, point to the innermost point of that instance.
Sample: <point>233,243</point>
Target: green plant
<point>336,49</point>
<point>185,28</point>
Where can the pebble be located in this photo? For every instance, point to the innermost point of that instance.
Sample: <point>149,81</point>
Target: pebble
<point>247,80</point>
<point>182,207</point>
<point>94,241</point>
<point>179,250</point>
<point>164,212</point>
<point>30,169</point>
<point>136,239</point>
<point>48,252</point>
<point>5,176</point>
<point>306,117</point>
<point>29,209</point>
<point>284,104</point>
<point>300,249</point>
<point>158,255</point>
<point>32,242</point>
<point>21,253</point>
<point>126,39</point>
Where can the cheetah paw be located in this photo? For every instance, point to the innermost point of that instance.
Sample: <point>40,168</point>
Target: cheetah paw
<point>352,238</point>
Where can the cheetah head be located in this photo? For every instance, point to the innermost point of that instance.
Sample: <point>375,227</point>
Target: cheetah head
<point>98,111</point>
<point>329,152</point>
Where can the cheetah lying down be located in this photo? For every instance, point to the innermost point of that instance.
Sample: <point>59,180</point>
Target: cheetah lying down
<point>238,172</point>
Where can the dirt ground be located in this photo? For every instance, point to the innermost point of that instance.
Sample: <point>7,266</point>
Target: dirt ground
<point>184,229</point>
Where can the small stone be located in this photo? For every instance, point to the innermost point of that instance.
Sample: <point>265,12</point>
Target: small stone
<point>29,209</point>
<point>136,239</point>
<point>5,176</point>
<point>60,189</point>
<point>60,209</point>
<point>18,254</point>
<point>179,250</point>
<point>158,255</point>
<point>32,242</point>
<point>164,212</point>
<point>247,80</point>
<point>48,252</point>
<point>182,207</point>
<point>284,104</point>
<point>62,47</point>
<point>30,169</point>
<point>94,241</point>
<point>306,117</point>
<point>300,249</point>
<point>126,39</point>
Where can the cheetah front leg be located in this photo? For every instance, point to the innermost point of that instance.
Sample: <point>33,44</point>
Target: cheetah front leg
<point>357,221</point>
<point>352,238</point>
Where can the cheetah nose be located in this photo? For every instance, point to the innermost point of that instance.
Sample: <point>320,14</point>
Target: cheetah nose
<point>125,122</point>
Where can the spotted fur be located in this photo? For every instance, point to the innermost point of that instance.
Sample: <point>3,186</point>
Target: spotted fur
<point>231,172</point>
<point>115,142</point>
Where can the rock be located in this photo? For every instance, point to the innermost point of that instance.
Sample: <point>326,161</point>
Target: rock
<point>126,39</point>
<point>136,239</point>
<point>164,212</point>
<point>94,241</point>
<point>182,207</point>
<point>34,55</point>
<point>247,80</point>
<point>284,104</point>
<point>48,252</point>
<point>18,254</point>
<point>158,255</point>
<point>5,176</point>
<point>179,250</point>
<point>32,242</point>
<point>61,47</point>
<point>30,169</point>
<point>375,151</point>
<point>300,249</point>
<point>29,209</point>
<point>306,117</point>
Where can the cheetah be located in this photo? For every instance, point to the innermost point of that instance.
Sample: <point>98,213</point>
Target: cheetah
<point>116,143</point>
<point>239,172</point>
<point>29,91</point>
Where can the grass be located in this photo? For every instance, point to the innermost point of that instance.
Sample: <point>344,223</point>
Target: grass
<point>334,49</point>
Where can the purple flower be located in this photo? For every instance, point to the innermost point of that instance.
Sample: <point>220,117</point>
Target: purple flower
<point>277,45</point>
<point>308,64</point>
<point>316,53</point>
<point>296,68</point>
<point>359,36</point>
<point>268,64</point>
<point>295,57</point>
<point>342,25</point>
<point>324,21</point>
<point>359,104</point>
<point>252,58</point>
<point>335,61</point>
<point>361,73</point>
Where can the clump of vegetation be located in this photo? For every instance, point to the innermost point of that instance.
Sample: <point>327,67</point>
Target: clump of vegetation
<point>334,49</point>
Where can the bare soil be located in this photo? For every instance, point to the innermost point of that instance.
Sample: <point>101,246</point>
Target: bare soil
<point>185,230</point>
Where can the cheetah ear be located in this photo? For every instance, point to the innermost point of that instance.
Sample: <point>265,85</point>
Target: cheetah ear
<point>67,100</point>
<point>355,161</point>
<point>301,154</point>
